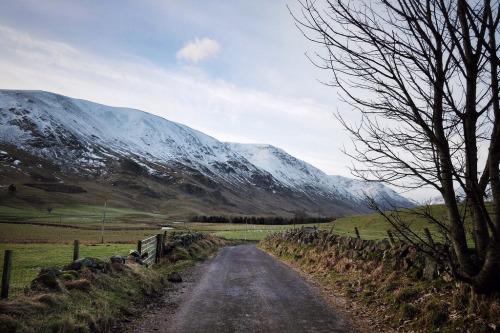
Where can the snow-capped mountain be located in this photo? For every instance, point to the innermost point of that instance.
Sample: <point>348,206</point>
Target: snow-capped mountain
<point>299,174</point>
<point>140,157</point>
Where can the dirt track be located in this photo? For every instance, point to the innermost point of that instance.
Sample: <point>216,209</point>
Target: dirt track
<point>243,289</point>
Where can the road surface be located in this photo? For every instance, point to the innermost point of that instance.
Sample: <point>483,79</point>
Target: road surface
<point>244,289</point>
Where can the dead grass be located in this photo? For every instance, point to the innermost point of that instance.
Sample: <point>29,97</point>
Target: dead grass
<point>391,298</point>
<point>92,302</point>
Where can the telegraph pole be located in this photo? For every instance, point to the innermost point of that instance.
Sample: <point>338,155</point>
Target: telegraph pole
<point>103,218</point>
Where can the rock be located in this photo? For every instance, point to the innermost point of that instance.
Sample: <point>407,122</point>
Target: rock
<point>407,263</point>
<point>135,253</point>
<point>447,277</point>
<point>404,249</point>
<point>138,260</point>
<point>117,259</point>
<point>430,271</point>
<point>96,265</point>
<point>383,245</point>
<point>135,256</point>
<point>53,271</point>
<point>174,277</point>
<point>359,244</point>
<point>168,248</point>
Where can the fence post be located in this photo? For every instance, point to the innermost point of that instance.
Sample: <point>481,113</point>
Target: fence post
<point>76,250</point>
<point>7,264</point>
<point>158,248</point>
<point>139,246</point>
<point>162,244</point>
<point>429,236</point>
<point>357,232</point>
<point>391,237</point>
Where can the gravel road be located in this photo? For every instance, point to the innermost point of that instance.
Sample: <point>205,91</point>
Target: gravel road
<point>244,289</point>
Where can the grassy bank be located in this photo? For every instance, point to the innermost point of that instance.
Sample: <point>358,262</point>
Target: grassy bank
<point>393,299</point>
<point>88,301</point>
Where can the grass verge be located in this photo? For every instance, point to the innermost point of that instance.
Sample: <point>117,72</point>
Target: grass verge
<point>393,299</point>
<point>89,301</point>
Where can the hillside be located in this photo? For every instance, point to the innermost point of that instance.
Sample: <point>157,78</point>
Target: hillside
<point>58,151</point>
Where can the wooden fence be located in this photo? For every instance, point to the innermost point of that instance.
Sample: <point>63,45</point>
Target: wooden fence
<point>15,278</point>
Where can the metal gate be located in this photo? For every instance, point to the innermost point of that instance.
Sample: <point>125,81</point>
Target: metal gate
<point>148,248</point>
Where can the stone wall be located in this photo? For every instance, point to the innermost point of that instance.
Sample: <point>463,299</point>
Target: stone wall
<point>174,240</point>
<point>400,256</point>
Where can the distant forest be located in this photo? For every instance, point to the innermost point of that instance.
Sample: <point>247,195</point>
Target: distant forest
<point>269,220</point>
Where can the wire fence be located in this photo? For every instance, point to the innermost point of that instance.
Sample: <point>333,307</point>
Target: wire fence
<point>368,234</point>
<point>29,259</point>
<point>365,234</point>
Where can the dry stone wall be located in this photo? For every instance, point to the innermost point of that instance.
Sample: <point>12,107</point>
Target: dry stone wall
<point>400,256</point>
<point>181,239</point>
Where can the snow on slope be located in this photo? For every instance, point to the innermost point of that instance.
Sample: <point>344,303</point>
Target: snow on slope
<point>119,129</point>
<point>42,121</point>
<point>297,173</point>
<point>380,192</point>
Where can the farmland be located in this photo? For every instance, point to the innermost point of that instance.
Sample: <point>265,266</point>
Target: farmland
<point>40,239</point>
<point>120,226</point>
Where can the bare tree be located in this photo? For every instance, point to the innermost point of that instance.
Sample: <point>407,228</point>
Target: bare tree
<point>424,76</point>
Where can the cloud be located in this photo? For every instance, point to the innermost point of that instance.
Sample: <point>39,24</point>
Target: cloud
<point>303,127</point>
<point>199,49</point>
<point>227,111</point>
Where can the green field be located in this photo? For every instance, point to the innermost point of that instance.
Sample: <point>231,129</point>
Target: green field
<point>28,259</point>
<point>374,226</point>
<point>45,239</point>
<point>241,231</point>
<point>40,239</point>
<point>120,226</point>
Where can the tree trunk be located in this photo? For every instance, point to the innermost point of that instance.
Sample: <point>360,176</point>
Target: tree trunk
<point>486,282</point>
<point>433,68</point>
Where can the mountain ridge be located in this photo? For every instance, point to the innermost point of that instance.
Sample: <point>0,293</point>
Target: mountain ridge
<point>146,157</point>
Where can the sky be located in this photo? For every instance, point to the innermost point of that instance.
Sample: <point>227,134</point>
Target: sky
<point>235,70</point>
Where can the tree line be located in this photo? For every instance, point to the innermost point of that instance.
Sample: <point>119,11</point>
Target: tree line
<point>264,220</point>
